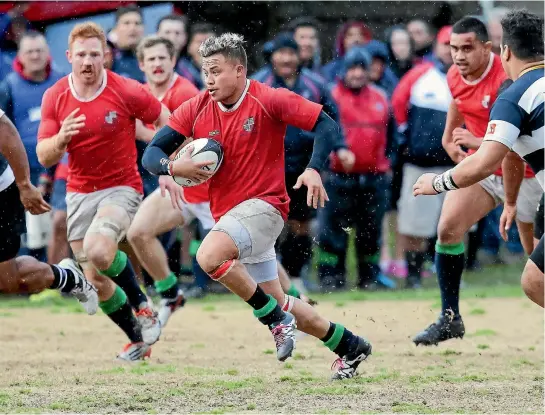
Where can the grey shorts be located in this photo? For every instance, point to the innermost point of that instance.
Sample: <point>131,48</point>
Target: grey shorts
<point>81,209</point>
<point>528,200</point>
<point>254,226</point>
<point>418,216</point>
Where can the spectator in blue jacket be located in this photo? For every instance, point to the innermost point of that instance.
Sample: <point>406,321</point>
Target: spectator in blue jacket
<point>129,30</point>
<point>379,72</point>
<point>284,71</point>
<point>190,66</point>
<point>21,98</point>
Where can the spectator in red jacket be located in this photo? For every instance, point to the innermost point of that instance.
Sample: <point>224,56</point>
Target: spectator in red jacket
<point>357,193</point>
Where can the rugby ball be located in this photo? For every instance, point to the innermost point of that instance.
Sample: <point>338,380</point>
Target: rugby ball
<point>204,149</point>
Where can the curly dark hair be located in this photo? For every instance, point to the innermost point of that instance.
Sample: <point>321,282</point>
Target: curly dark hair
<point>523,33</point>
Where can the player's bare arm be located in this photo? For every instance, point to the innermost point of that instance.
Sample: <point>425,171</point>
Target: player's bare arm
<point>328,137</point>
<point>157,160</point>
<point>513,173</point>
<point>51,151</point>
<point>455,120</point>
<point>471,170</point>
<point>146,134</point>
<point>11,147</point>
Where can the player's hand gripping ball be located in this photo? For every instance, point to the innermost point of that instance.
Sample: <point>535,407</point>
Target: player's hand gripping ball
<point>203,162</point>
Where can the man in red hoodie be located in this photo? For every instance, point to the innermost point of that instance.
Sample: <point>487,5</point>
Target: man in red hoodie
<point>357,193</point>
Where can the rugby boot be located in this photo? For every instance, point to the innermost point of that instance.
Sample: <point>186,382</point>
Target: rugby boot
<point>284,336</point>
<point>149,323</point>
<point>345,367</point>
<point>168,306</point>
<point>446,327</point>
<point>84,291</point>
<point>133,352</point>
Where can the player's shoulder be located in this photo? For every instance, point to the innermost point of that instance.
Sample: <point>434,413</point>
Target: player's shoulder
<point>61,85</point>
<point>121,83</point>
<point>523,91</point>
<point>183,85</point>
<point>497,75</point>
<point>58,89</point>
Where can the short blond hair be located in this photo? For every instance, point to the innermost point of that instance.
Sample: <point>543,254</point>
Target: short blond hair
<point>87,30</point>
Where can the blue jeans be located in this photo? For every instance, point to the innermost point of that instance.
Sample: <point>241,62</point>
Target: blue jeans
<point>491,238</point>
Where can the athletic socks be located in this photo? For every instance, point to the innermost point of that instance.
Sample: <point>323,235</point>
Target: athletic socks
<point>266,308</point>
<point>120,312</point>
<point>340,340</point>
<point>122,272</point>
<point>64,279</point>
<point>415,261</point>
<point>168,288</point>
<point>449,261</point>
<point>293,291</point>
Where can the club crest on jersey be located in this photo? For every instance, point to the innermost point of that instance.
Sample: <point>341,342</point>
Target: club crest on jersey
<point>486,101</point>
<point>248,125</point>
<point>214,133</point>
<point>110,118</point>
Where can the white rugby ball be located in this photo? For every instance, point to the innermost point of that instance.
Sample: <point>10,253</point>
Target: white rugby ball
<point>204,149</point>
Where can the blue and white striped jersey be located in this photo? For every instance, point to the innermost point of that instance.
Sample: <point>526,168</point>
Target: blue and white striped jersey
<point>516,119</point>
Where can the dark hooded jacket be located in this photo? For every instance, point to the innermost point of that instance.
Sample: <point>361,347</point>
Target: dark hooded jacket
<point>331,70</point>
<point>388,81</point>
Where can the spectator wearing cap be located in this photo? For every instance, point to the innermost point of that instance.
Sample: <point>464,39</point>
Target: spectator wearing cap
<point>350,34</point>
<point>284,71</point>
<point>128,30</point>
<point>21,95</point>
<point>380,72</point>
<point>420,104</point>
<point>357,193</point>
<point>190,66</point>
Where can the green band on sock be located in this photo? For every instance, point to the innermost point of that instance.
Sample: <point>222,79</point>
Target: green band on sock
<point>262,312</point>
<point>119,263</point>
<point>293,291</point>
<point>372,259</point>
<point>334,341</point>
<point>194,247</point>
<point>454,249</point>
<point>167,283</point>
<point>115,302</point>
<point>327,258</point>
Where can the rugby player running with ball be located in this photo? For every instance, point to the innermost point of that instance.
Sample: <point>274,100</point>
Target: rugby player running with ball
<point>248,195</point>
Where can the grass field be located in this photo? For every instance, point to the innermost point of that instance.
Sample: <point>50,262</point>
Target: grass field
<point>214,357</point>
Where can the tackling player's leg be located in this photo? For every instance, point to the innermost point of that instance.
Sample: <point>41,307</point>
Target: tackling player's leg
<point>289,287</point>
<point>461,209</point>
<point>532,276</point>
<point>26,274</point>
<point>155,217</point>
